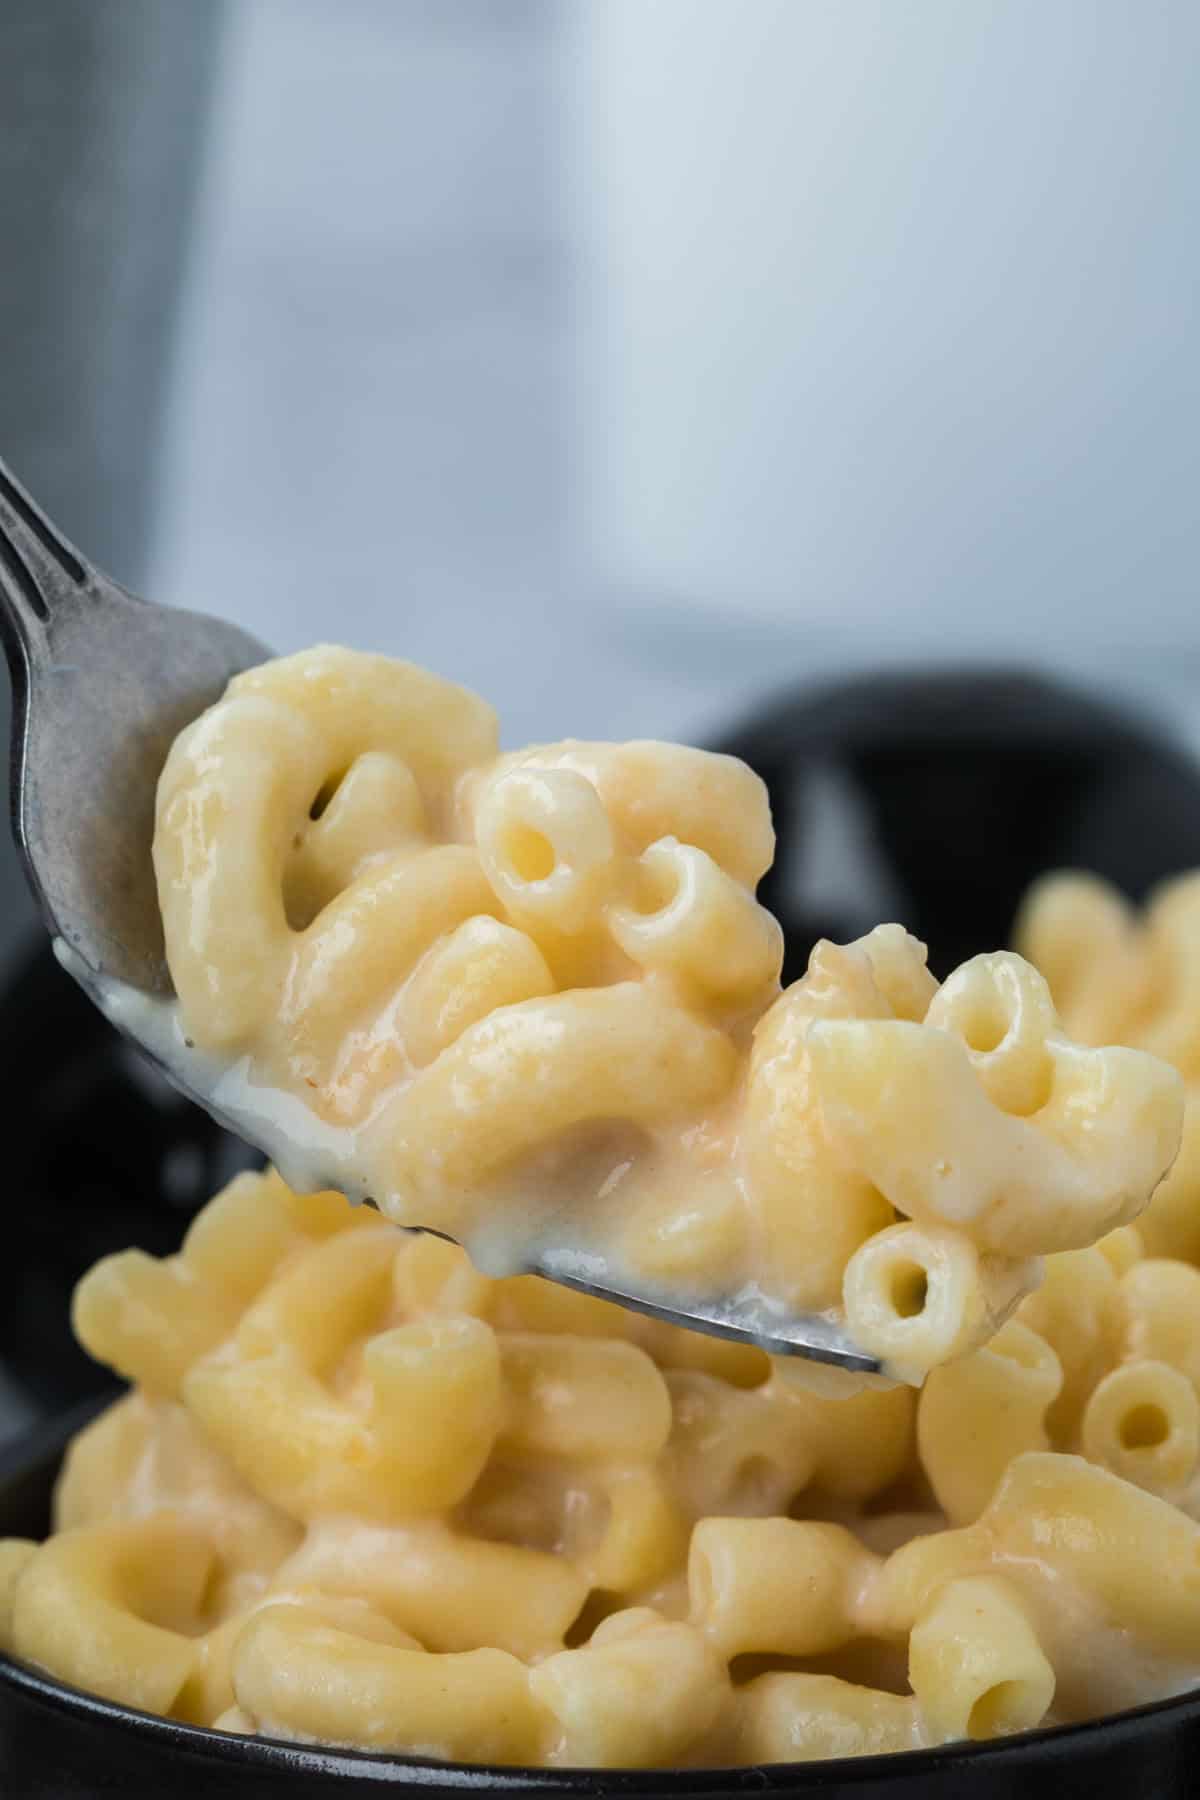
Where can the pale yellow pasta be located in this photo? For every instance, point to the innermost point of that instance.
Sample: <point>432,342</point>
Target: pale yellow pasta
<point>531,1001</point>
<point>1158,1300</point>
<point>812,1207</point>
<point>619,1054</point>
<point>807,1718</point>
<point>637,1695</point>
<point>147,1455</point>
<point>691,920</point>
<point>976,1666</point>
<point>1081,934</point>
<point>1122,1248</point>
<point>376,809</point>
<point>115,1609</point>
<point>327,1034</point>
<point>1082,1545</point>
<point>674,1347</point>
<point>151,1319</point>
<point>365,1493</point>
<point>858,1444</point>
<point>644,1535</point>
<point>546,845</point>
<point>449,1590</point>
<point>406,1507</point>
<point>788,1586</point>
<point>462,978</point>
<point>915,1571</point>
<point>733,1450</point>
<point>1143,1422</point>
<point>15,1555</point>
<point>1091,944</point>
<point>652,790</point>
<point>248,774</point>
<point>918,1295</point>
<point>591,1398</point>
<point>1000,1008</point>
<point>431,1406</point>
<point>911,1111</point>
<point>680,1241</point>
<point>1170,1225</point>
<point>1133,1552</point>
<point>1078,1311</point>
<point>1121,976</point>
<point>435,1276</point>
<point>976,1414</point>
<point>294,1673</point>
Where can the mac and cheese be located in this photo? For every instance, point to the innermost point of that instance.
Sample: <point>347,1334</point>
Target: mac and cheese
<point>361,1494</point>
<point>530,1000</point>
<point>364,1493</point>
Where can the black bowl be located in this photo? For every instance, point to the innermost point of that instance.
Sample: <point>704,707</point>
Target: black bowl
<point>57,1743</point>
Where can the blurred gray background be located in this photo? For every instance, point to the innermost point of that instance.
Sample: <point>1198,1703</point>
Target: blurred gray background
<point>621,359</point>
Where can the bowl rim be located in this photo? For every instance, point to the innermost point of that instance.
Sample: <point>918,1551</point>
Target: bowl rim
<point>26,1453</point>
<point>341,1761</point>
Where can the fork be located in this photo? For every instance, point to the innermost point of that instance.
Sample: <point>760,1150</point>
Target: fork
<point>102,684</point>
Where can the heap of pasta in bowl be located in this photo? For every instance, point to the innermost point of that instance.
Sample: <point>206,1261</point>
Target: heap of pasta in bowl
<point>377,1489</point>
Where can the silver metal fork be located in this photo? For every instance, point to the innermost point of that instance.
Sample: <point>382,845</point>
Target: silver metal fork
<point>102,684</point>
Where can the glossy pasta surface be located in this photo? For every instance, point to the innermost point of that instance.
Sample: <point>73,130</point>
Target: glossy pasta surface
<point>530,1000</point>
<point>362,1493</point>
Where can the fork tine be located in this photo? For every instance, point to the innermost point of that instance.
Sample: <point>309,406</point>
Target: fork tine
<point>37,565</point>
<point>21,518</point>
<point>18,579</point>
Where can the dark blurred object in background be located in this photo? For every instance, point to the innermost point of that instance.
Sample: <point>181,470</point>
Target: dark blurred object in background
<point>934,799</point>
<point>104,110</point>
<point>100,1154</point>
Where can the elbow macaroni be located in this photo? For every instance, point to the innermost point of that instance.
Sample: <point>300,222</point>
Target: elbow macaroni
<point>531,1001</point>
<point>388,1502</point>
<point>363,1493</point>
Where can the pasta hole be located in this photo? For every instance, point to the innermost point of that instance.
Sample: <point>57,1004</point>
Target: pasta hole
<point>908,1289</point>
<point>529,853</point>
<point>1144,1427</point>
<point>325,794</point>
<point>985,1024</point>
<point>655,889</point>
<point>998,1710</point>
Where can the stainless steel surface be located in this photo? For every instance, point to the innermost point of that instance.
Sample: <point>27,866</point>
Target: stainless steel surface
<point>102,683</point>
<point>738,1317</point>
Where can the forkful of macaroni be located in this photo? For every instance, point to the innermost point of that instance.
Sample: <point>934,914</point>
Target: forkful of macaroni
<point>529,1001</point>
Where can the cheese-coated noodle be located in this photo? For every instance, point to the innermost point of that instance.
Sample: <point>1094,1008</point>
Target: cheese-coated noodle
<point>364,1492</point>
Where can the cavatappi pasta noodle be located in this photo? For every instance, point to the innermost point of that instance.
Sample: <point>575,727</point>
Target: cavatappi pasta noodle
<point>361,1494</point>
<point>531,1001</point>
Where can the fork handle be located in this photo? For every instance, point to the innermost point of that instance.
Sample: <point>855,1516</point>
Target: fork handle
<point>40,572</point>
